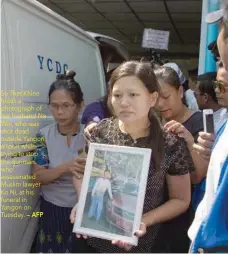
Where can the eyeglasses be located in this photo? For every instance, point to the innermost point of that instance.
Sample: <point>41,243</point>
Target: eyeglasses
<point>220,86</point>
<point>64,107</point>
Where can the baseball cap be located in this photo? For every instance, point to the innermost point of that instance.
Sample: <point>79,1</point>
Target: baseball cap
<point>207,76</point>
<point>177,69</point>
<point>215,16</point>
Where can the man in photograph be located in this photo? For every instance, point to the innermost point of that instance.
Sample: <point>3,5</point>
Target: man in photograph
<point>102,185</point>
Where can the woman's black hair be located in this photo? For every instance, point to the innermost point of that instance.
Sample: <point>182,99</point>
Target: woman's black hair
<point>207,87</point>
<point>169,76</point>
<point>67,82</point>
<point>145,73</point>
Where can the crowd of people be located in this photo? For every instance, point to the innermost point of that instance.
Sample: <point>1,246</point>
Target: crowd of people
<point>185,208</point>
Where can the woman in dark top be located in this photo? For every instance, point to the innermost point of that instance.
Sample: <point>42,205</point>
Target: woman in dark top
<point>134,92</point>
<point>178,117</point>
<point>187,124</point>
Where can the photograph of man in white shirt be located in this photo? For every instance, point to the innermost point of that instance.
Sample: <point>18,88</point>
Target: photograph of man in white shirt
<point>102,185</point>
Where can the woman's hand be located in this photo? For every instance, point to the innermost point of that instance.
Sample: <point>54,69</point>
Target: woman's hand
<point>88,129</point>
<point>205,144</point>
<point>180,130</point>
<point>141,232</point>
<point>73,218</point>
<point>73,214</point>
<point>76,165</point>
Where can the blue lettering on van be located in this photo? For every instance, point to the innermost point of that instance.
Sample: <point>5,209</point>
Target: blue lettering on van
<point>41,59</point>
<point>51,65</point>
<point>58,67</point>
<point>65,67</point>
<point>48,64</point>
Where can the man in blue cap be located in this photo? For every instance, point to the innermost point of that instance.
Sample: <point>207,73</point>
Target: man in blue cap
<point>209,231</point>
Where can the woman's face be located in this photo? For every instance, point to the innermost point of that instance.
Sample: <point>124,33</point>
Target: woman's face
<point>222,96</point>
<point>131,100</point>
<point>223,48</point>
<point>63,108</point>
<point>170,101</point>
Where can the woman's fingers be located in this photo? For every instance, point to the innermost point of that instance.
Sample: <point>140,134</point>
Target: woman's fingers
<point>142,231</point>
<point>205,143</point>
<point>79,164</point>
<point>169,124</point>
<point>175,127</point>
<point>73,215</point>
<point>79,236</point>
<point>203,151</point>
<point>127,246</point>
<point>122,244</point>
<point>207,136</point>
<point>77,175</point>
<point>117,243</point>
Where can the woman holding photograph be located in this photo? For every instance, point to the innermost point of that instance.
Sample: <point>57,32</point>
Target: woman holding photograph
<point>56,159</point>
<point>134,92</point>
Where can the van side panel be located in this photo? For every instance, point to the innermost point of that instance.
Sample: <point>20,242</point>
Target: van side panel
<point>41,47</point>
<point>38,45</point>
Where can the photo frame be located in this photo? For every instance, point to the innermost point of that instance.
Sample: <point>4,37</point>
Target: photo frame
<point>113,190</point>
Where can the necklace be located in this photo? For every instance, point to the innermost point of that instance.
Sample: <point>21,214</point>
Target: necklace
<point>68,134</point>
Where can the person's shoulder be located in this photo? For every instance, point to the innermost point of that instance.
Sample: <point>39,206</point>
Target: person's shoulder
<point>103,130</point>
<point>170,138</point>
<point>198,115</point>
<point>172,142</point>
<point>47,129</point>
<point>105,124</point>
<point>177,155</point>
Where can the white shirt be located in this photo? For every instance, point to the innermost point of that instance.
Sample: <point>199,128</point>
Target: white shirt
<point>218,157</point>
<point>191,100</point>
<point>220,116</point>
<point>100,187</point>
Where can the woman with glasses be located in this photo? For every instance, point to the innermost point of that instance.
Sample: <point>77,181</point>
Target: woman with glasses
<point>57,158</point>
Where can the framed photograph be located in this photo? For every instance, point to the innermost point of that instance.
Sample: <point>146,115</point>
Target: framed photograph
<point>113,190</point>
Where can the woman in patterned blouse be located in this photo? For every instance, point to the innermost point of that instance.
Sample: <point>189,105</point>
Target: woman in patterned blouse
<point>134,92</point>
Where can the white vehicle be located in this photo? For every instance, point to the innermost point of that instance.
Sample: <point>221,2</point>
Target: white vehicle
<point>37,44</point>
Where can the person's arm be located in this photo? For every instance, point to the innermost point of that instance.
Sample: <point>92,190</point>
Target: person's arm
<point>201,165</point>
<point>109,189</point>
<point>204,145</point>
<point>45,175</point>
<point>95,187</point>
<point>178,182</point>
<point>40,168</point>
<point>77,185</point>
<point>179,200</point>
